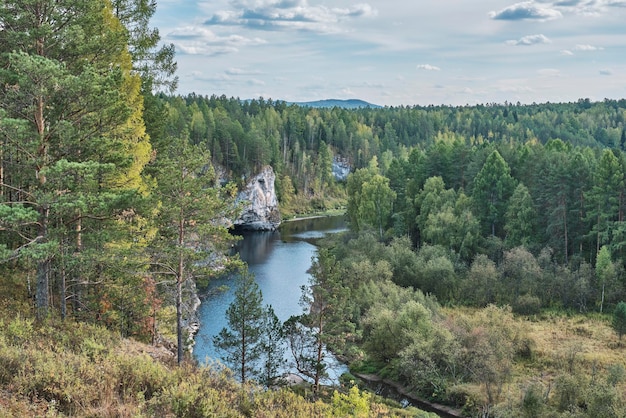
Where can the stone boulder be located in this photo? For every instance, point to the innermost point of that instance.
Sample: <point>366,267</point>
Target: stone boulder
<point>261,211</point>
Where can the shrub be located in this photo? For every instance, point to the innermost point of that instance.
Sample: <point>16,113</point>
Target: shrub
<point>527,305</point>
<point>467,397</point>
<point>19,330</point>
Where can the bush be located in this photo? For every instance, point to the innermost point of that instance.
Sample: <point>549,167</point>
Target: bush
<point>141,374</point>
<point>527,305</point>
<point>467,397</point>
<point>19,330</point>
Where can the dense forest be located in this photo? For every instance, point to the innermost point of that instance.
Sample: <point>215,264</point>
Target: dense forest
<point>475,231</point>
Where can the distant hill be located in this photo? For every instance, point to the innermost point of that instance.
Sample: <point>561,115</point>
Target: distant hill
<point>346,104</point>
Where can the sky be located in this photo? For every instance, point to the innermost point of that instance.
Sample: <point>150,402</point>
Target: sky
<point>399,52</point>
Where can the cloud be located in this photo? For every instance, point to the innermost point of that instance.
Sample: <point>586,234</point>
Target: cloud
<point>288,15</point>
<point>606,72</point>
<point>194,40</point>
<point>530,40</point>
<point>428,67</point>
<point>587,48</point>
<point>528,10</point>
<point>240,71</point>
<point>567,52</point>
<point>568,3</point>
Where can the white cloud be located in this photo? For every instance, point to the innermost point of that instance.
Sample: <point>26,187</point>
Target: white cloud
<point>566,52</point>
<point>276,15</point>
<point>428,67</point>
<point>240,71</point>
<point>530,40</point>
<point>587,48</point>
<point>195,40</point>
<point>527,10</point>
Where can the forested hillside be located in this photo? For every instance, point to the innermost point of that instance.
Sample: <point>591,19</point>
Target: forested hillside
<point>469,226</point>
<point>488,207</point>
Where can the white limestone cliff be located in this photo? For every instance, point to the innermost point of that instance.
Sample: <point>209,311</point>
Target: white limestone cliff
<point>261,209</point>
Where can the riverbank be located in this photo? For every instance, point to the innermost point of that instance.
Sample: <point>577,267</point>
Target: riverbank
<point>316,215</point>
<point>376,382</point>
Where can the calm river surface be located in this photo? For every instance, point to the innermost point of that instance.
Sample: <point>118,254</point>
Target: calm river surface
<point>279,261</point>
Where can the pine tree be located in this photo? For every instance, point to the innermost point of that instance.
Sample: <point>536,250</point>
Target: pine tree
<point>272,348</point>
<point>155,63</point>
<point>191,209</point>
<point>324,299</point>
<point>242,340</point>
<point>70,116</point>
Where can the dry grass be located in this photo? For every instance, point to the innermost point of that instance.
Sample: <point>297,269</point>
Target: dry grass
<point>576,342</point>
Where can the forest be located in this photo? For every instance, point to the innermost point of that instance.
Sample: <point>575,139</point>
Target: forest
<point>484,266</point>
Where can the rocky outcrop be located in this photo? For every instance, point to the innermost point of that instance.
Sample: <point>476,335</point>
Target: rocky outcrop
<point>261,208</point>
<point>341,168</point>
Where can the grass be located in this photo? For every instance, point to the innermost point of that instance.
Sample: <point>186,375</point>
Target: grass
<point>576,341</point>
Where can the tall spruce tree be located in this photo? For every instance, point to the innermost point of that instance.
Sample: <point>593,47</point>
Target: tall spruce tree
<point>604,198</point>
<point>520,218</point>
<point>492,188</point>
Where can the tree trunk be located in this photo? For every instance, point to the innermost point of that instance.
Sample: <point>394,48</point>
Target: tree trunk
<point>602,300</point>
<point>243,353</point>
<point>43,269</point>
<point>63,284</point>
<point>320,353</point>
<point>179,320</point>
<point>179,289</point>
<point>566,235</point>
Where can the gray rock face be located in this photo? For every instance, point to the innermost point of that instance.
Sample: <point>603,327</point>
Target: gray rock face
<point>341,168</point>
<point>261,212</point>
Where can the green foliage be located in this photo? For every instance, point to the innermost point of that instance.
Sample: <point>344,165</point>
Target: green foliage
<point>492,188</point>
<point>66,369</point>
<point>619,319</point>
<point>18,330</point>
<point>73,147</point>
<point>520,218</point>
<point>354,404</point>
<point>241,341</point>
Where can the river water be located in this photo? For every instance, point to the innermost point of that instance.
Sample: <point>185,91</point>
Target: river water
<point>279,261</point>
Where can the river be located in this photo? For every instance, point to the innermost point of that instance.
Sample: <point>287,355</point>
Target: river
<point>279,261</point>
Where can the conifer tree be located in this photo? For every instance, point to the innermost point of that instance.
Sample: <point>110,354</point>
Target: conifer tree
<point>493,186</point>
<point>70,118</point>
<point>520,218</point>
<point>241,341</point>
<point>192,208</point>
<point>310,333</point>
<point>272,348</point>
<point>619,320</point>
